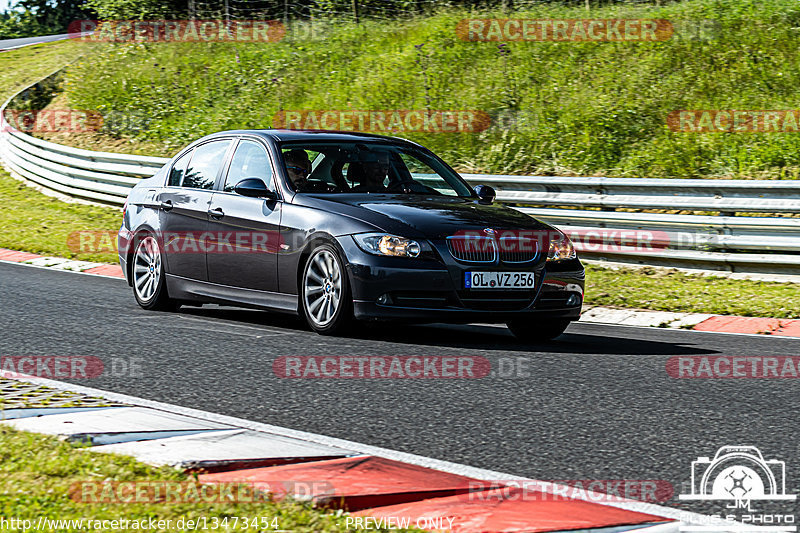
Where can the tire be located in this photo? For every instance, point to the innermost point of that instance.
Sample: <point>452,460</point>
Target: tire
<point>147,273</point>
<point>325,295</point>
<point>538,331</point>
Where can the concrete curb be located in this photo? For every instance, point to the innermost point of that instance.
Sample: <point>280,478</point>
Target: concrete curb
<point>398,479</point>
<point>779,327</point>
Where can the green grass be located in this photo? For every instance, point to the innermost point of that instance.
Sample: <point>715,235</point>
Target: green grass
<point>581,108</point>
<point>671,290</point>
<point>36,473</point>
<point>33,222</point>
<point>24,66</point>
<point>29,220</point>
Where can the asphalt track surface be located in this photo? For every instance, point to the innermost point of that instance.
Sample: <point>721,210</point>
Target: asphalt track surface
<point>598,404</point>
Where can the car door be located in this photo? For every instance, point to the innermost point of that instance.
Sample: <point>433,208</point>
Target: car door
<point>184,208</point>
<point>247,230</point>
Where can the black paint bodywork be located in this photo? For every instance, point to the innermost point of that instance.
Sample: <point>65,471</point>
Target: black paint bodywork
<point>424,289</point>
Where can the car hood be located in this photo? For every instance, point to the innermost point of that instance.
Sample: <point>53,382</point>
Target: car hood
<point>432,216</point>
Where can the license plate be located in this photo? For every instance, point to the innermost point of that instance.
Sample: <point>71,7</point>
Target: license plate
<point>498,280</point>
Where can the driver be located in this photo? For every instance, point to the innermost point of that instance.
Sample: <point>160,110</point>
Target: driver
<point>374,174</point>
<point>298,166</point>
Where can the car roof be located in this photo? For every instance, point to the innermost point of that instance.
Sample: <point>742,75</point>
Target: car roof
<point>316,136</point>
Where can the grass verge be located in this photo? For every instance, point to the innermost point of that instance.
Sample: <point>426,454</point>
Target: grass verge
<point>581,108</point>
<point>672,290</point>
<point>33,222</point>
<point>37,471</point>
<point>23,66</point>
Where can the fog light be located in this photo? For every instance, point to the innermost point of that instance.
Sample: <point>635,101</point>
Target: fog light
<point>384,299</point>
<point>573,300</point>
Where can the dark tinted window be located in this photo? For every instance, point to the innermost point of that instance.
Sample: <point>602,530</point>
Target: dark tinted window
<point>206,162</point>
<point>249,161</point>
<point>371,167</point>
<point>178,169</point>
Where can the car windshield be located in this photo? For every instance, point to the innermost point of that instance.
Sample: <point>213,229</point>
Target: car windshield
<point>369,168</point>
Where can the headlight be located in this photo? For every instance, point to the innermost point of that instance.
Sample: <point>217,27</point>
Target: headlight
<point>561,249</point>
<point>391,245</point>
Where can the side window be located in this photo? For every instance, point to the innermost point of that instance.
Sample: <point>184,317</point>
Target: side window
<point>249,161</point>
<point>205,164</point>
<point>178,169</point>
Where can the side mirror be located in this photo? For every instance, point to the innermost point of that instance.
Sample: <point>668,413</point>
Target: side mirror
<point>255,188</point>
<point>486,194</point>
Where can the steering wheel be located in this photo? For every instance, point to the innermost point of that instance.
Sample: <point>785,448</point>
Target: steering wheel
<point>317,186</point>
<point>409,186</point>
<point>401,186</point>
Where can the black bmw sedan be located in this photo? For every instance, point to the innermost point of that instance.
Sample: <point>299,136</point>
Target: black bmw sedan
<point>340,228</point>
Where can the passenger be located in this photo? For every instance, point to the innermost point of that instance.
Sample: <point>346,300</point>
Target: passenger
<point>370,174</point>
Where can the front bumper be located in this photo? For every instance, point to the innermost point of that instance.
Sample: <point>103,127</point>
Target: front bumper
<point>425,290</point>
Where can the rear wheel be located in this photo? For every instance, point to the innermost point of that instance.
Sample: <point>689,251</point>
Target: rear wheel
<point>149,283</point>
<point>538,331</point>
<point>325,292</point>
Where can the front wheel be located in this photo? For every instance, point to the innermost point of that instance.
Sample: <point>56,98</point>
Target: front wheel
<point>533,330</point>
<point>325,292</point>
<point>149,281</point>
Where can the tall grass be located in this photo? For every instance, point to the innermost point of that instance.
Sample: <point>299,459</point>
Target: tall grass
<point>582,108</point>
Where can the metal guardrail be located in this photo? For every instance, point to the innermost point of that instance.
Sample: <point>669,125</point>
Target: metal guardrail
<point>586,208</point>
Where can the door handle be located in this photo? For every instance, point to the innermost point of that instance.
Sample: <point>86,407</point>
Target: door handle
<point>217,212</point>
<point>166,205</point>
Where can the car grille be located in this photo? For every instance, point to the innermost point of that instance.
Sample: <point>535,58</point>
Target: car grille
<point>472,249</point>
<point>518,250</point>
<point>478,249</point>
